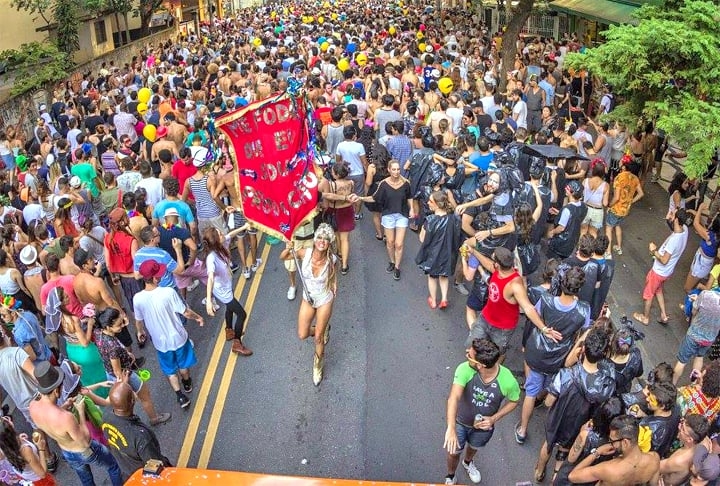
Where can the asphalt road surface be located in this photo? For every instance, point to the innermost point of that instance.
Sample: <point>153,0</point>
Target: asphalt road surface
<point>379,414</point>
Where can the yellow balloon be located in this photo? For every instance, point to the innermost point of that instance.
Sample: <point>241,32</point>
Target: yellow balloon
<point>321,20</point>
<point>421,46</point>
<point>420,35</point>
<point>257,42</point>
<point>326,5</point>
<point>324,46</point>
<point>142,108</point>
<point>400,4</point>
<point>361,59</point>
<point>343,64</point>
<point>149,132</point>
<point>144,95</point>
<point>392,30</point>
<point>286,11</point>
<point>445,85</point>
<point>311,19</point>
<point>273,14</point>
<point>305,19</point>
<point>334,16</point>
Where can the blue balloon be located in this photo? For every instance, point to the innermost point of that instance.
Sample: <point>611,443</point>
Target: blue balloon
<point>351,48</point>
<point>343,17</point>
<point>321,40</point>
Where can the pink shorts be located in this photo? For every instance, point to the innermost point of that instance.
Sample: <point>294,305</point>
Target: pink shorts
<point>196,271</point>
<point>653,284</point>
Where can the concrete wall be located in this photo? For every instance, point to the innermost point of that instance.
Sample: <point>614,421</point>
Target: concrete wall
<point>19,27</point>
<point>25,108</point>
<point>90,45</point>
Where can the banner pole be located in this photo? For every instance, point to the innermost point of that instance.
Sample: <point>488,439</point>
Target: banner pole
<point>306,294</point>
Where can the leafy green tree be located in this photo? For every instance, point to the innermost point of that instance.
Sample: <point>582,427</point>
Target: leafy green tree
<point>34,66</point>
<point>145,10</point>
<point>666,68</point>
<point>66,13</point>
<point>39,7</point>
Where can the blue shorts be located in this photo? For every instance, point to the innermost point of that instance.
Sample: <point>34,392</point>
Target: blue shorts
<point>474,302</point>
<point>613,220</point>
<point>689,349</point>
<point>394,220</point>
<point>135,382</point>
<point>476,438</point>
<point>9,161</point>
<point>536,382</point>
<point>179,359</point>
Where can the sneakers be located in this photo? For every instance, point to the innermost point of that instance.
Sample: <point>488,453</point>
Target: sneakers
<point>358,216</point>
<point>344,270</point>
<point>396,274</point>
<point>258,262</point>
<point>617,249</point>
<point>450,480</point>
<point>247,273</point>
<point>291,293</point>
<point>193,285</point>
<point>472,472</point>
<point>183,400</point>
<point>390,267</point>
<point>234,267</point>
<point>239,348</point>
<point>215,304</point>
<point>317,370</point>
<point>461,288</point>
<point>163,417</point>
<point>187,385</point>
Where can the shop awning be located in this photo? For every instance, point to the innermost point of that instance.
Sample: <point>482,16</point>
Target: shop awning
<point>605,11</point>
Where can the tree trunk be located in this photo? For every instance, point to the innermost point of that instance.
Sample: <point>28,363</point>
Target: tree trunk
<point>119,32</point>
<point>518,16</point>
<point>127,27</point>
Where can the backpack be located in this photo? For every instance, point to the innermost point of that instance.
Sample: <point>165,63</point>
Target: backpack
<point>611,97</point>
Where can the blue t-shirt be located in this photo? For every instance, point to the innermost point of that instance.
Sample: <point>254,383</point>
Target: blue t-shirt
<point>186,215</point>
<point>160,256</point>
<point>27,332</point>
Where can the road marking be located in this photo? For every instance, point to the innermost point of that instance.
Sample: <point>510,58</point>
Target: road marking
<point>204,393</point>
<point>228,372</point>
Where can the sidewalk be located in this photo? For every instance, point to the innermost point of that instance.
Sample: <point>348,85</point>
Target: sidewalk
<point>645,224</point>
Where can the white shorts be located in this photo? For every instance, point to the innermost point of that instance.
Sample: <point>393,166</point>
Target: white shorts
<point>594,217</point>
<point>394,220</point>
<point>701,265</point>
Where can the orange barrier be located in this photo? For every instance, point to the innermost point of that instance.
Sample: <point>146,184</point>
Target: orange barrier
<point>208,477</point>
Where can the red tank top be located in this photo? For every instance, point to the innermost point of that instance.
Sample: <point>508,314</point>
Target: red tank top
<point>119,245</point>
<point>498,312</point>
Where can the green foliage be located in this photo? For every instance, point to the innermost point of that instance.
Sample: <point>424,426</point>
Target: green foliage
<point>34,66</point>
<point>67,13</point>
<point>666,68</point>
<point>33,7</point>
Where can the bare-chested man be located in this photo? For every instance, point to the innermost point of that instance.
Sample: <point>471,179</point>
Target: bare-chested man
<point>78,449</point>
<point>632,467</point>
<point>162,142</point>
<point>67,265</point>
<point>34,277</point>
<point>88,286</point>
<point>177,133</point>
<point>692,433</point>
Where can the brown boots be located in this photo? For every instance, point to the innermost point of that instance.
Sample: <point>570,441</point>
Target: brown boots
<point>239,348</point>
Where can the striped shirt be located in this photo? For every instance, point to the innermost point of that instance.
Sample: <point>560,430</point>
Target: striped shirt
<point>206,206</point>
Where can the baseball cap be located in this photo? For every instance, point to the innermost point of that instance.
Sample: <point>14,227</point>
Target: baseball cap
<point>171,212</point>
<point>152,269</point>
<point>574,187</point>
<point>75,182</point>
<point>116,215</point>
<point>199,155</point>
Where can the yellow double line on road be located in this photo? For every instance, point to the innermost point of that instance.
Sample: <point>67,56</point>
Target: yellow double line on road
<point>221,395</point>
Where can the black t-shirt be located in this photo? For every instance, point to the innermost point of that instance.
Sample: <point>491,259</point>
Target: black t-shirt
<point>484,121</point>
<point>85,102</point>
<point>92,122</point>
<point>393,200</point>
<point>132,443</point>
<point>166,237</point>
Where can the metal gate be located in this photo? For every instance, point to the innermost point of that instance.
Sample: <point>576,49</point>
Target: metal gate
<point>538,24</point>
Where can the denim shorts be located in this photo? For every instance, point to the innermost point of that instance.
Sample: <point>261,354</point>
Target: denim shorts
<point>689,349</point>
<point>482,329</point>
<point>613,220</point>
<point>474,302</point>
<point>135,382</point>
<point>536,382</point>
<point>394,220</point>
<point>179,359</point>
<point>476,438</point>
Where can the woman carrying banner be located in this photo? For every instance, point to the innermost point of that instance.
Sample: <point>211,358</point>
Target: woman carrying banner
<point>319,279</point>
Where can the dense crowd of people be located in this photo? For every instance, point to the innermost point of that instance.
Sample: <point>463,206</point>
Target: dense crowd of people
<point>124,199</point>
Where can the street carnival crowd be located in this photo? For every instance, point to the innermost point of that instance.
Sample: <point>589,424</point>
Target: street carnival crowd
<point>124,199</point>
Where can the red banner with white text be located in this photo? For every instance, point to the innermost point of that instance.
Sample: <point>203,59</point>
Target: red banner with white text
<point>277,182</point>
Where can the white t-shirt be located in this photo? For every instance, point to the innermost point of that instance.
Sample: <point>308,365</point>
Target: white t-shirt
<point>154,189</point>
<point>159,309</point>
<point>675,244</point>
<point>32,211</point>
<point>222,284</point>
<point>351,151</point>
<point>520,109</point>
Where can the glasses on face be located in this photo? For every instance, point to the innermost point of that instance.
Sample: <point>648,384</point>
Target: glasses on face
<point>614,441</point>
